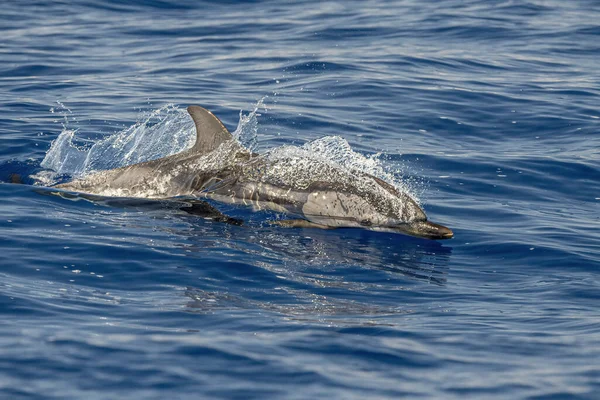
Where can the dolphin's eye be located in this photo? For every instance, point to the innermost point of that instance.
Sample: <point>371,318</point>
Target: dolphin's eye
<point>366,222</point>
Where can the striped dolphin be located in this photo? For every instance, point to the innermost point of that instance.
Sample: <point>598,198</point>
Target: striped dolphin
<point>319,194</point>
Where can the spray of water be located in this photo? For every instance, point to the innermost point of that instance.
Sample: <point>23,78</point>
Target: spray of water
<point>169,130</point>
<point>161,132</point>
<point>247,129</point>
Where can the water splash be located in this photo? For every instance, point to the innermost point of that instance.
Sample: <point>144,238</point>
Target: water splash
<point>159,133</point>
<point>247,130</point>
<point>162,132</point>
<point>336,149</point>
<point>169,130</point>
<point>337,154</point>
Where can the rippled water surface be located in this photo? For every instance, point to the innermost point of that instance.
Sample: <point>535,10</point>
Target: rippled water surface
<point>488,111</point>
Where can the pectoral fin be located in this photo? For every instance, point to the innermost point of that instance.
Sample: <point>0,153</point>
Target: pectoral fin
<point>299,223</point>
<point>205,210</point>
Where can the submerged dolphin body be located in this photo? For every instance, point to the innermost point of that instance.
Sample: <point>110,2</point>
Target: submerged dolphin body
<point>218,167</point>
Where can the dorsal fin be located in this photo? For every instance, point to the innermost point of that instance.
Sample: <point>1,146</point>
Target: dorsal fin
<point>210,132</point>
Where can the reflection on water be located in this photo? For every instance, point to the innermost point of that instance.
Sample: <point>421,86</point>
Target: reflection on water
<point>420,259</point>
<point>305,249</point>
<point>308,261</point>
<point>302,264</point>
<point>302,306</point>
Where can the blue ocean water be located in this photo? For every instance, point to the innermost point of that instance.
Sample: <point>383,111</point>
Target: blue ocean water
<point>489,111</point>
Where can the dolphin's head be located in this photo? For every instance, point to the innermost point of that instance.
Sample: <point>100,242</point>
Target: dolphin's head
<point>417,224</point>
<point>379,207</point>
<point>421,229</point>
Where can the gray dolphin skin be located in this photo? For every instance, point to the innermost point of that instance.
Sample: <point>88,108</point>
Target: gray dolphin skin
<point>315,192</point>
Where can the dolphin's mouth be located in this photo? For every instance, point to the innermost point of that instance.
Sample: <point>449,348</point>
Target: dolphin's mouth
<point>422,229</point>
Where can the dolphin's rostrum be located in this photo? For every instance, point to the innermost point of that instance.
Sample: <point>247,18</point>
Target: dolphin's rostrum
<point>317,193</point>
